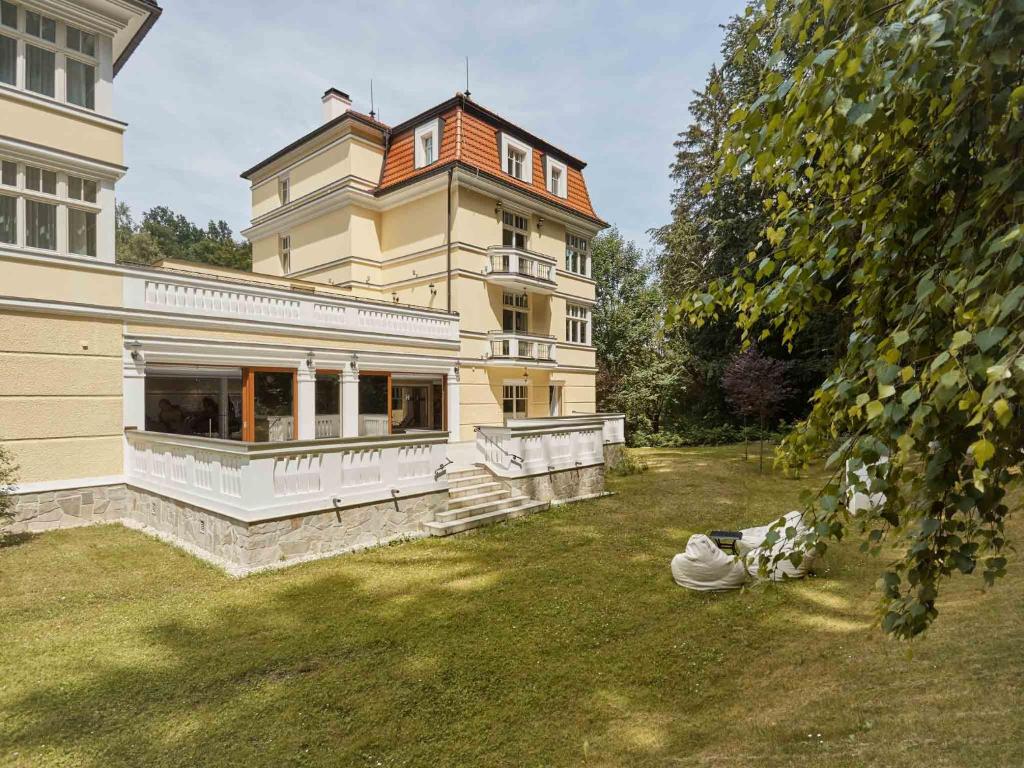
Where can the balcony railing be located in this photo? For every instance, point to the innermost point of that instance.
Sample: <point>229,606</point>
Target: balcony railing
<point>253,482</point>
<point>533,446</point>
<point>521,347</point>
<point>516,267</point>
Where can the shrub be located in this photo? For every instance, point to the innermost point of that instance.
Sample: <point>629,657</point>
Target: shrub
<point>629,464</point>
<point>8,472</point>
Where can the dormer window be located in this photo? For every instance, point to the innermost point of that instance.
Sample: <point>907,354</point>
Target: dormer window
<point>427,139</point>
<point>556,175</point>
<point>518,158</point>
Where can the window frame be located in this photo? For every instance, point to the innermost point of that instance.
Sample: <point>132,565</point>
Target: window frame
<point>79,60</point>
<point>517,305</point>
<point>431,130</point>
<point>284,189</point>
<point>578,327</point>
<point>579,246</point>
<point>509,143</point>
<point>61,199</point>
<point>284,252</point>
<point>551,166</point>
<point>515,391</point>
<point>515,229</point>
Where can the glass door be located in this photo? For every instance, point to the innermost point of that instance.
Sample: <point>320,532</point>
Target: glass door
<point>270,405</point>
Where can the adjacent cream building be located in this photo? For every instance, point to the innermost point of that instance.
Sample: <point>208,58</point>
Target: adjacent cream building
<point>411,353</point>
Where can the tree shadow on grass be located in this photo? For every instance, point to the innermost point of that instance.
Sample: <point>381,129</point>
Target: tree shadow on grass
<point>554,640</point>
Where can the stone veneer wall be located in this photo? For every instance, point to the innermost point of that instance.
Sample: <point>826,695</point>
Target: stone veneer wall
<point>242,548</point>
<point>613,453</point>
<point>564,485</point>
<point>71,508</point>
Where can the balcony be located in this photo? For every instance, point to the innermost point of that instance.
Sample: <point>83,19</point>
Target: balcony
<point>511,348</point>
<point>516,268</point>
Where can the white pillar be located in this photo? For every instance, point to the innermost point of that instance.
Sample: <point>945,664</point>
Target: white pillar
<point>350,401</point>
<point>454,414</point>
<point>133,395</point>
<point>223,425</point>
<point>307,401</point>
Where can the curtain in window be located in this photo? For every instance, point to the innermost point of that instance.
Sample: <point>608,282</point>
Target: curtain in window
<point>40,68</point>
<point>41,225</point>
<point>8,219</point>
<point>8,60</point>
<point>81,232</point>
<point>81,84</point>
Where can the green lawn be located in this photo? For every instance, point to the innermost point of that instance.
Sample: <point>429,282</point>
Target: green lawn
<point>556,640</point>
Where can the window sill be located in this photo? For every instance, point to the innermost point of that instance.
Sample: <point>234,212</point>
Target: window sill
<point>50,102</point>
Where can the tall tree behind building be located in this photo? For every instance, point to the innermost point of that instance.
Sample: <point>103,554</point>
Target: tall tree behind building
<point>164,234</point>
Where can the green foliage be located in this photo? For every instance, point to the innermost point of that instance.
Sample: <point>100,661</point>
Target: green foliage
<point>631,463</point>
<point>637,370</point>
<point>8,476</point>
<point>689,434</point>
<point>888,157</point>
<point>164,234</point>
<point>716,222</point>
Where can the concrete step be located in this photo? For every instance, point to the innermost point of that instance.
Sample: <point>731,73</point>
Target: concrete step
<point>499,494</point>
<point>447,528</point>
<point>469,510</point>
<point>464,480</point>
<point>461,491</point>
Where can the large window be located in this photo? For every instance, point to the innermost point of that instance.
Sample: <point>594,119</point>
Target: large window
<point>48,195</point>
<point>515,229</point>
<point>8,60</point>
<point>577,324</point>
<point>577,254</point>
<point>40,71</point>
<point>81,81</point>
<point>47,46</point>
<point>194,401</point>
<point>515,313</point>
<point>513,401</point>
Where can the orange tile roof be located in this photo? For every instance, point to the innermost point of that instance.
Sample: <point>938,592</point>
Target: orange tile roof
<point>469,136</point>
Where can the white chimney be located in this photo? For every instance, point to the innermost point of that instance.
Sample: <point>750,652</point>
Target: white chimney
<point>336,103</point>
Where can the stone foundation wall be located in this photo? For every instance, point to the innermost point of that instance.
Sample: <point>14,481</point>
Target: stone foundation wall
<point>70,508</point>
<point>243,548</point>
<point>613,453</point>
<point>563,485</point>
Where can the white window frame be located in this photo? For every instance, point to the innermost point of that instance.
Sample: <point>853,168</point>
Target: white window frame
<point>284,252</point>
<point>583,253</point>
<point>284,189</point>
<point>552,165</point>
<point>431,130</point>
<point>518,304</point>
<point>509,142</point>
<point>62,53</point>
<point>61,200</point>
<point>577,324</point>
<point>515,396</point>
<point>515,229</point>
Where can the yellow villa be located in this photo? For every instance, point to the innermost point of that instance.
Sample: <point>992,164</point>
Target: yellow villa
<point>410,355</point>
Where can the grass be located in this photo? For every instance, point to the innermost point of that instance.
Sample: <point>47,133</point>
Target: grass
<point>556,640</point>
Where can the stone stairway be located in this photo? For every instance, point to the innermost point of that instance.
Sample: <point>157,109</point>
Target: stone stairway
<point>475,498</point>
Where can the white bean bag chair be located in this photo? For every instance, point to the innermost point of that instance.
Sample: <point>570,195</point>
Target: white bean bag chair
<point>706,568</point>
<point>752,546</point>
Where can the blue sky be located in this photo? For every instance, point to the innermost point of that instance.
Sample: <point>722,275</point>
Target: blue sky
<point>216,87</point>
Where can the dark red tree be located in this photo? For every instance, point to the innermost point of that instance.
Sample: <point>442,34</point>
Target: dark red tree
<point>756,386</point>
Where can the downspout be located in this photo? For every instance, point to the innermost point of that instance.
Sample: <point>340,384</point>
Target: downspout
<point>448,237</point>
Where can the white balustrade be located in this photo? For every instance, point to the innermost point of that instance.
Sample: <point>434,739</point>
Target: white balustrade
<point>614,428</point>
<point>200,297</point>
<point>533,446</point>
<point>520,346</point>
<point>328,425</point>
<point>373,424</point>
<point>509,263</point>
<point>260,481</point>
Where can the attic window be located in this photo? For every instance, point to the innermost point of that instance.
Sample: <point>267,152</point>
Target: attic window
<point>517,158</point>
<point>556,176</point>
<point>284,190</point>
<point>427,139</point>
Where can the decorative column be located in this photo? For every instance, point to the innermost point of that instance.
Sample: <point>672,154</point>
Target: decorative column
<point>307,399</point>
<point>223,422</point>
<point>350,401</point>
<point>454,416</point>
<point>133,386</point>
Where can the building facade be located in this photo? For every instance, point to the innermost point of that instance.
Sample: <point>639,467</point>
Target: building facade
<point>393,365</point>
<point>458,209</point>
